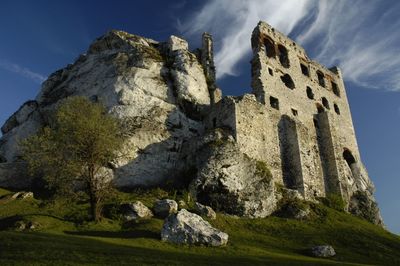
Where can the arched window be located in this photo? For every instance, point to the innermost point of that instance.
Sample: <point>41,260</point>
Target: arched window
<point>310,93</point>
<point>349,158</point>
<point>274,102</point>
<point>325,103</point>
<point>336,108</point>
<point>269,47</point>
<point>321,78</point>
<point>288,81</point>
<point>304,70</point>
<point>283,56</point>
<point>335,89</point>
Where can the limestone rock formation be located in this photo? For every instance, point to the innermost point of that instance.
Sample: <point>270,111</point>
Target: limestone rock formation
<point>189,228</point>
<point>325,251</point>
<point>232,182</point>
<point>22,195</point>
<point>165,207</point>
<point>153,89</point>
<point>363,205</point>
<point>296,122</point>
<point>136,210</point>
<point>182,205</point>
<point>205,211</point>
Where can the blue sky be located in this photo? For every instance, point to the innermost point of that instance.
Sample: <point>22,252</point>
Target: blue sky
<point>361,36</point>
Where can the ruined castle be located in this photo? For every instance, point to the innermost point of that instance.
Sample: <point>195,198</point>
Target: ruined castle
<point>296,120</point>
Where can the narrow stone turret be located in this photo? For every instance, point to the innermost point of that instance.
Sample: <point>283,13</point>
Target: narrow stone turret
<point>207,61</point>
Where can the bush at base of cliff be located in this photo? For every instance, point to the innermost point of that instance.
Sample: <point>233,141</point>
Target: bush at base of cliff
<point>73,151</point>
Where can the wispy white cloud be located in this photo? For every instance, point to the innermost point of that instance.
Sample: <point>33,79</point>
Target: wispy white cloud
<point>23,71</point>
<point>359,36</point>
<point>232,21</point>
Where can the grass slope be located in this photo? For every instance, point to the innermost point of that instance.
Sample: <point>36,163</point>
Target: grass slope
<point>273,240</point>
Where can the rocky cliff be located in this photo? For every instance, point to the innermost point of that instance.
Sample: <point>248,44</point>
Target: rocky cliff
<point>159,90</point>
<point>164,95</point>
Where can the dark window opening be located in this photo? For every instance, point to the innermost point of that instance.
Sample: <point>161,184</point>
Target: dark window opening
<point>350,160</point>
<point>310,93</point>
<point>270,71</point>
<point>321,79</point>
<point>336,109</point>
<point>304,70</point>
<point>325,103</point>
<point>320,108</point>
<point>294,112</point>
<point>269,48</point>
<point>283,56</point>
<point>214,122</point>
<point>287,79</point>
<point>335,89</point>
<point>274,102</point>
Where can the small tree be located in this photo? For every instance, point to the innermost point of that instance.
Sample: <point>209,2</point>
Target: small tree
<point>74,150</point>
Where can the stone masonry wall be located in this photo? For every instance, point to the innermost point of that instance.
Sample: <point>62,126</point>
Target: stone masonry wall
<point>305,109</point>
<point>297,119</point>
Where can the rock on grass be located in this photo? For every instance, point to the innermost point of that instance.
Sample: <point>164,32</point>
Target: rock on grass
<point>189,228</point>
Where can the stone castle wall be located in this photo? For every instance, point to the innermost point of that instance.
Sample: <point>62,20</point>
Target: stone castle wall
<point>299,121</point>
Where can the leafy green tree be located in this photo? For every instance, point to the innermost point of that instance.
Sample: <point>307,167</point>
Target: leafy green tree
<point>74,149</point>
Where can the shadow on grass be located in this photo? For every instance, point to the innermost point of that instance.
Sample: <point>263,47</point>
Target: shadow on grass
<point>117,234</point>
<point>8,222</point>
<point>131,229</point>
<point>31,248</point>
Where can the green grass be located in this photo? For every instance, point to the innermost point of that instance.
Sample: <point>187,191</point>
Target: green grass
<point>64,239</point>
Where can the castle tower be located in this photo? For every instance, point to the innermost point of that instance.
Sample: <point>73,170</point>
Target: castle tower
<point>312,147</point>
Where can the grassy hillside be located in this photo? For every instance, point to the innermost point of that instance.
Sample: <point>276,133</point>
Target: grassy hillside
<point>64,239</point>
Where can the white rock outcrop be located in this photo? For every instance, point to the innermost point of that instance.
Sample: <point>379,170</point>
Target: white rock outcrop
<point>136,210</point>
<point>231,182</point>
<point>324,251</point>
<point>154,90</point>
<point>189,228</point>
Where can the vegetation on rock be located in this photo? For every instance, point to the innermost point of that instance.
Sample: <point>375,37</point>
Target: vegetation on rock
<point>263,171</point>
<point>334,201</point>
